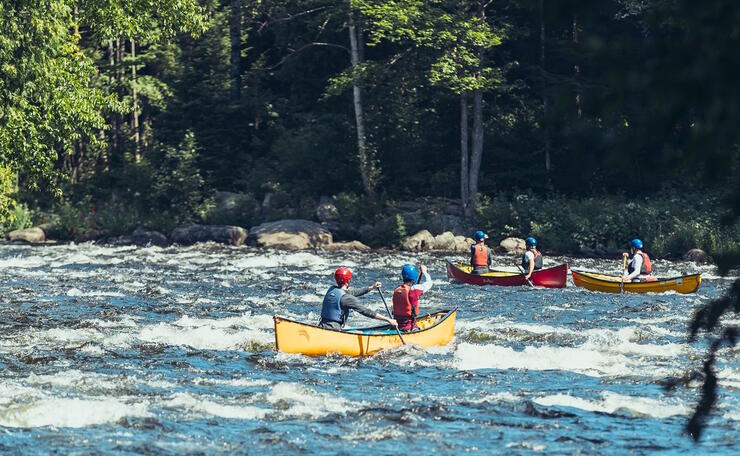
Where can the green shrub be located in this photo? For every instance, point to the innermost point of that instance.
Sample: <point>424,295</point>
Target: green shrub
<point>668,226</point>
<point>69,222</point>
<point>116,219</point>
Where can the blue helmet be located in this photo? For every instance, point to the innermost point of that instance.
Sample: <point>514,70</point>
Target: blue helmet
<point>530,242</point>
<point>409,272</point>
<point>636,243</point>
<point>479,235</point>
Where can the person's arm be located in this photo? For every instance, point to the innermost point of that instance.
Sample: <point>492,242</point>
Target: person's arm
<point>531,267</point>
<point>350,302</point>
<point>362,291</point>
<point>472,254</point>
<point>637,262</point>
<point>426,284</point>
<point>490,257</point>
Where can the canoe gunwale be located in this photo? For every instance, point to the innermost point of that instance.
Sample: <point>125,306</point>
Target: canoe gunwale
<point>591,275</point>
<point>594,281</point>
<point>550,277</point>
<point>446,314</point>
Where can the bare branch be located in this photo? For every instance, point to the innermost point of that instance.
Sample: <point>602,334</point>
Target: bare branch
<point>290,17</point>
<point>303,48</point>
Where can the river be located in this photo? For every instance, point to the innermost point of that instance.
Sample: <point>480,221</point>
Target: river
<point>169,351</point>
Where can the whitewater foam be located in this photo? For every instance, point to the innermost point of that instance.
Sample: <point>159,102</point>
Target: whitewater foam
<point>199,405</point>
<point>591,362</point>
<point>71,413</point>
<point>612,402</point>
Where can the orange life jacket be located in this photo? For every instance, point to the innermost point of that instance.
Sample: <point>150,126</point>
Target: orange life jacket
<point>647,266</point>
<point>480,255</point>
<point>402,307</point>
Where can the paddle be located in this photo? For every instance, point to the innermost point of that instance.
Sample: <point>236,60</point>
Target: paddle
<point>525,275</point>
<point>621,276</point>
<point>390,316</point>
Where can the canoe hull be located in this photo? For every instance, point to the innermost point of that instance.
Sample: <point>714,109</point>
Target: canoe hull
<point>437,329</point>
<point>609,284</point>
<point>554,277</point>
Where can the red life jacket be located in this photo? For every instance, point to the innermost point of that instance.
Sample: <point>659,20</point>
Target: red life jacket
<point>480,255</point>
<point>402,307</point>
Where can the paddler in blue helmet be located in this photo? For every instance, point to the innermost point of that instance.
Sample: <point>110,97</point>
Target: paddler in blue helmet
<point>339,301</point>
<point>480,255</point>
<point>532,258</point>
<point>639,266</point>
<point>406,296</point>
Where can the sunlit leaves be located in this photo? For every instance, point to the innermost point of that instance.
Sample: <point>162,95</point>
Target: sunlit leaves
<point>454,30</point>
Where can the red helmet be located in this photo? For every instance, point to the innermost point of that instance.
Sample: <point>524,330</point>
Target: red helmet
<point>343,276</point>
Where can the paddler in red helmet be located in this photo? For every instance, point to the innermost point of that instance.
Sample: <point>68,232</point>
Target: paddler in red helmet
<point>339,300</point>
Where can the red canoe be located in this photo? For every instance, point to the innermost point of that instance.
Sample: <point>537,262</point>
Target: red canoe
<point>554,277</point>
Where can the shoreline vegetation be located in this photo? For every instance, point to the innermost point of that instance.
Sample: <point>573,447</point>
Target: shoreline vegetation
<point>674,228</point>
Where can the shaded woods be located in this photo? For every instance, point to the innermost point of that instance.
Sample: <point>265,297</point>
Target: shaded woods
<point>142,112</point>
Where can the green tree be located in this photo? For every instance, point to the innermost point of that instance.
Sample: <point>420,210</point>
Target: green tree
<point>459,34</point>
<point>50,101</point>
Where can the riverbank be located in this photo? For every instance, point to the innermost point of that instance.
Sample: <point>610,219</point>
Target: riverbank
<point>589,227</point>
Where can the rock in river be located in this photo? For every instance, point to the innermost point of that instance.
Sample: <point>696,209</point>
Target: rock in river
<point>290,234</point>
<point>224,234</point>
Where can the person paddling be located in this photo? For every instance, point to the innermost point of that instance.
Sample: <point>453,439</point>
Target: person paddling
<point>339,301</point>
<point>480,255</point>
<point>532,258</point>
<point>639,267</point>
<point>406,296</point>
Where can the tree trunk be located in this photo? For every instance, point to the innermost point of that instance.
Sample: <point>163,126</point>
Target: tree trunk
<point>135,110</point>
<point>477,154</point>
<point>235,33</point>
<point>576,67</point>
<point>114,116</point>
<point>545,110</point>
<point>116,157</point>
<point>464,186</point>
<point>367,166</point>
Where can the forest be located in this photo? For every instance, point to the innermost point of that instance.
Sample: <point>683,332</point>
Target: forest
<point>537,117</point>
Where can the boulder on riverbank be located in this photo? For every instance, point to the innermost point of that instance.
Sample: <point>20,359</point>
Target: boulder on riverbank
<point>511,245</point>
<point>697,256</point>
<point>351,246</point>
<point>141,237</point>
<point>33,235</point>
<point>445,242</point>
<point>223,234</point>
<point>290,234</point>
<point>144,237</point>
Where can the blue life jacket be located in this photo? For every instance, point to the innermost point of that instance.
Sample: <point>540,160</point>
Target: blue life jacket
<point>537,261</point>
<point>330,309</point>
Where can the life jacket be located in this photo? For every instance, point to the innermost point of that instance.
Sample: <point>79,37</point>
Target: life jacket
<point>647,266</point>
<point>480,255</point>
<point>402,307</point>
<point>330,308</point>
<point>537,261</point>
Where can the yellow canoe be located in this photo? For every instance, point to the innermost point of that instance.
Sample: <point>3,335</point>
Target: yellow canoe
<point>611,284</point>
<point>436,329</point>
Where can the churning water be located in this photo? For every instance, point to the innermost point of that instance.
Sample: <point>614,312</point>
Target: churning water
<point>171,351</point>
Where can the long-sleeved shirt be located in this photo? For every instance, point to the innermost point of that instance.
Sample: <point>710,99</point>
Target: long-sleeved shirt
<point>350,302</point>
<point>636,264</point>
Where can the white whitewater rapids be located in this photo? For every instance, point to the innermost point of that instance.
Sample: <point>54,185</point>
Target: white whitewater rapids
<point>117,344</point>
